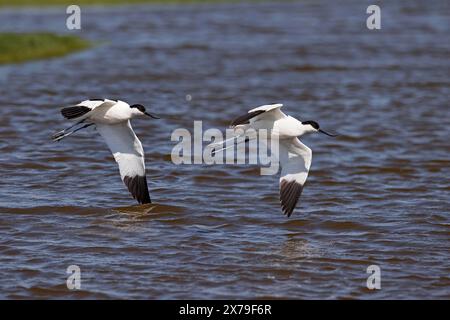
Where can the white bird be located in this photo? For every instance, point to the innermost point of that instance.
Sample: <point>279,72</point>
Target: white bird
<point>294,157</point>
<point>112,120</point>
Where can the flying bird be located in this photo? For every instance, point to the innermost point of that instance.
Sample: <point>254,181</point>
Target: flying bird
<point>294,157</point>
<point>112,120</point>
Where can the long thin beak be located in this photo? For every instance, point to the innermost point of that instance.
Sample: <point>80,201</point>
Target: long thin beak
<point>151,115</point>
<point>328,134</point>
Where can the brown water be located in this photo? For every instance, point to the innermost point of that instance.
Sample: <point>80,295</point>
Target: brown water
<point>379,194</point>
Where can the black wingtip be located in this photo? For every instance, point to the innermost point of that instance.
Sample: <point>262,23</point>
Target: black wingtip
<point>290,192</point>
<point>74,112</point>
<point>138,188</point>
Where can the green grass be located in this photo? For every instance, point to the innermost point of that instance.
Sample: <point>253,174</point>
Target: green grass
<point>19,47</point>
<point>93,2</point>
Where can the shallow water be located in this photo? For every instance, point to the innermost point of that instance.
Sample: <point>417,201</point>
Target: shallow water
<point>379,194</point>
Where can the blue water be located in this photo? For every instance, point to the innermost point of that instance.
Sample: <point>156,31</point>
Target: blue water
<point>377,195</point>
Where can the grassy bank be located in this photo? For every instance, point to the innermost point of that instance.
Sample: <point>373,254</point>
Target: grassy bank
<point>95,2</point>
<point>19,47</point>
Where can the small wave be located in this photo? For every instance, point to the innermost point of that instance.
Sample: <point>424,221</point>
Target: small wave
<point>54,210</point>
<point>150,209</point>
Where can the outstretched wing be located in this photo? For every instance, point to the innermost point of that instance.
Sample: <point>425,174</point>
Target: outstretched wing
<point>129,154</point>
<point>266,112</point>
<point>83,108</point>
<point>295,161</point>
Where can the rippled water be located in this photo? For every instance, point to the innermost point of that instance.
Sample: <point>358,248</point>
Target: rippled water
<point>379,194</point>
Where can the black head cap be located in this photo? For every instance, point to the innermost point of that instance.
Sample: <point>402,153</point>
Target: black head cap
<point>313,124</point>
<point>140,107</point>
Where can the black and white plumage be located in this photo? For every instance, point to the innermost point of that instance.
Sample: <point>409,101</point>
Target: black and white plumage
<point>294,157</point>
<point>112,120</point>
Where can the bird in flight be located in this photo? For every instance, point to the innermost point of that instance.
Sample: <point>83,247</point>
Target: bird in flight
<point>294,157</point>
<point>112,120</point>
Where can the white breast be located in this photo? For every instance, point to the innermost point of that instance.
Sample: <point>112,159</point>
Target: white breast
<point>287,128</point>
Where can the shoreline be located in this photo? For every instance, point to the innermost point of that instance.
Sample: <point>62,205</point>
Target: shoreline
<point>23,47</point>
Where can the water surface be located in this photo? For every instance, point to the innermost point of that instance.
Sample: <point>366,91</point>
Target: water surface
<point>379,194</point>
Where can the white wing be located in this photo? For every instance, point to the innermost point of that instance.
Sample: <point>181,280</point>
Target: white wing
<point>267,107</point>
<point>295,161</point>
<point>95,103</point>
<point>271,112</point>
<point>129,154</point>
<point>267,112</point>
<point>82,110</point>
